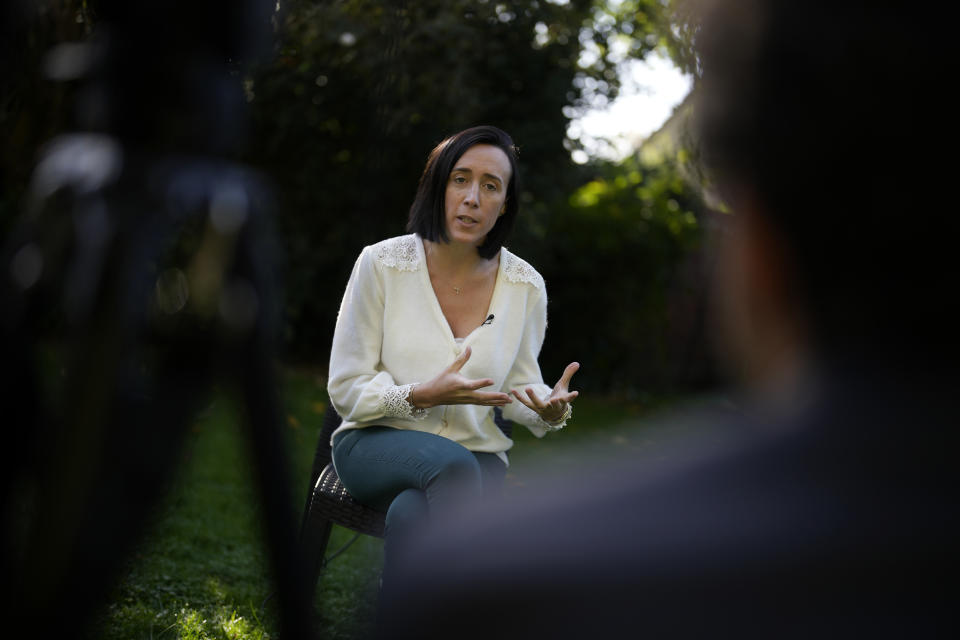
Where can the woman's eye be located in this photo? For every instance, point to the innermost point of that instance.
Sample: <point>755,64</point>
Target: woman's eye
<point>490,186</point>
<point>459,179</point>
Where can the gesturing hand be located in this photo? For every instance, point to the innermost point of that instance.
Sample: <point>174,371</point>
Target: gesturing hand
<point>451,387</point>
<point>553,407</point>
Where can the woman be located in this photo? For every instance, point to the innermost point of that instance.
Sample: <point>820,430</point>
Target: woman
<point>437,328</point>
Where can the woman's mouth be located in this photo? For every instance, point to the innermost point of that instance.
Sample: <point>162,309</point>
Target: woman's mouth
<point>467,220</point>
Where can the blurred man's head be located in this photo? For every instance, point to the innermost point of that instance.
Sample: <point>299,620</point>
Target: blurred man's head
<point>819,121</point>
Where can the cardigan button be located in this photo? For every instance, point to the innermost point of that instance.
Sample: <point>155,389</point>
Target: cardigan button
<point>457,350</point>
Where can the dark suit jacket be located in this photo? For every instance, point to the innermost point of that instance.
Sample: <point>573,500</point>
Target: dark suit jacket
<point>836,520</point>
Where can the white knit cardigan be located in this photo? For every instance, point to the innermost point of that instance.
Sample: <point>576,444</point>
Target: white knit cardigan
<point>391,333</point>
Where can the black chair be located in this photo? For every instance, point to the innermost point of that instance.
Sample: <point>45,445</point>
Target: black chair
<point>328,503</point>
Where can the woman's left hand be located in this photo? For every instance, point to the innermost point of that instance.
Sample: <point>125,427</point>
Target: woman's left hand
<point>552,408</point>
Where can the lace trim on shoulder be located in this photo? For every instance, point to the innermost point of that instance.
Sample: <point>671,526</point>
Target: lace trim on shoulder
<point>399,253</point>
<point>393,403</point>
<point>519,270</point>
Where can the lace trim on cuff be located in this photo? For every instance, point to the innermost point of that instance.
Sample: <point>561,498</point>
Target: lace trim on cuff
<point>394,403</point>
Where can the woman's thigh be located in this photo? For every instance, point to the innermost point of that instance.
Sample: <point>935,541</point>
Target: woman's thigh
<point>377,463</point>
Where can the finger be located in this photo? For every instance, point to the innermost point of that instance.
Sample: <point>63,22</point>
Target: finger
<point>491,399</point>
<point>552,408</point>
<point>473,385</point>
<point>563,396</point>
<point>523,400</point>
<point>539,404</point>
<point>460,360</point>
<point>571,369</point>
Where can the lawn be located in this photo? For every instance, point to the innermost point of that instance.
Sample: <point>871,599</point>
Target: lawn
<point>203,572</point>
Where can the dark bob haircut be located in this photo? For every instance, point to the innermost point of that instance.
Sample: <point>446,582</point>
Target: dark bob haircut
<point>428,211</point>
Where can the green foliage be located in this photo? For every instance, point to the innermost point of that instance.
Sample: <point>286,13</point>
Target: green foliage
<point>344,113</point>
<point>625,257</point>
<point>359,92</point>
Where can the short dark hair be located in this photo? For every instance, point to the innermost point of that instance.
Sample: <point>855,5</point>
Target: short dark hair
<point>821,110</point>
<point>428,211</point>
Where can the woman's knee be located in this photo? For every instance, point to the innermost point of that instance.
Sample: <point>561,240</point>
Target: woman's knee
<point>406,510</point>
<point>456,478</point>
<point>462,467</point>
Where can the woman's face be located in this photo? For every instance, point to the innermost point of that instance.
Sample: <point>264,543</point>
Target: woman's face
<point>476,193</point>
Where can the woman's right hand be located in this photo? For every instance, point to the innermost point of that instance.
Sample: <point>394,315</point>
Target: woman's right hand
<point>451,387</point>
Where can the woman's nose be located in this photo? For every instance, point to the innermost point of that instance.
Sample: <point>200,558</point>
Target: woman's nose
<point>473,195</point>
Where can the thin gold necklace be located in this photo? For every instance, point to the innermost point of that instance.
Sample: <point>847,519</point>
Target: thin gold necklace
<point>457,290</point>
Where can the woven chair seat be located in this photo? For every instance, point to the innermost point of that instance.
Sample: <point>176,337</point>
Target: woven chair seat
<point>331,501</point>
<point>328,502</point>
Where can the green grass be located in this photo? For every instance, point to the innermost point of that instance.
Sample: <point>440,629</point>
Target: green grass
<point>202,572</point>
